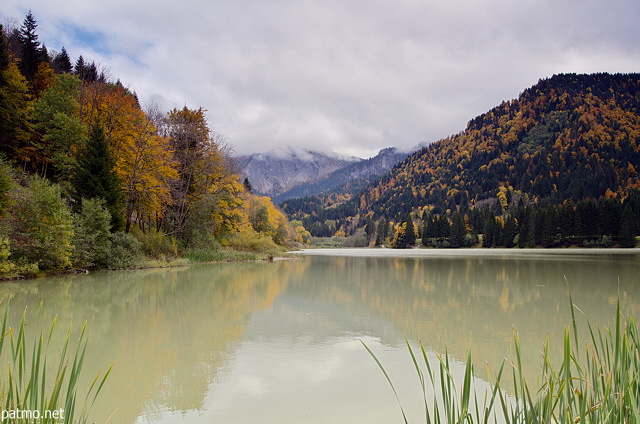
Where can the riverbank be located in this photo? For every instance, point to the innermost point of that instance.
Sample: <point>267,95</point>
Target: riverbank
<point>196,256</point>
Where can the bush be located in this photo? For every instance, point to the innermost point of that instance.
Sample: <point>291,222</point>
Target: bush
<point>156,244</point>
<point>9,269</point>
<point>249,240</point>
<point>92,234</point>
<point>41,225</point>
<point>125,252</point>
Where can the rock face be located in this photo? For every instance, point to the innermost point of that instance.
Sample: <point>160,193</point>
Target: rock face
<point>348,179</point>
<point>277,171</point>
<point>288,173</point>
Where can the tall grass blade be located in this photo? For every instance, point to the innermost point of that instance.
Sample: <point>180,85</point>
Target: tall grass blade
<point>388,380</point>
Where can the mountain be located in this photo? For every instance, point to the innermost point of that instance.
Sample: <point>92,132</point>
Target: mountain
<point>277,171</point>
<point>567,139</point>
<point>351,178</point>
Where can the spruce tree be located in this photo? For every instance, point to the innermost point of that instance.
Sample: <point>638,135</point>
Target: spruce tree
<point>61,63</point>
<point>628,229</point>
<point>410,234</point>
<point>458,230</point>
<point>30,50</point>
<point>96,177</point>
<point>4,53</point>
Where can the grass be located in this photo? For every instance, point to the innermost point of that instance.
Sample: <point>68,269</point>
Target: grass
<point>220,255</point>
<point>36,382</point>
<point>598,383</point>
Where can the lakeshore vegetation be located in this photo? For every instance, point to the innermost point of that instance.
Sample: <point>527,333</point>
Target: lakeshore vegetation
<point>91,179</point>
<point>595,382</point>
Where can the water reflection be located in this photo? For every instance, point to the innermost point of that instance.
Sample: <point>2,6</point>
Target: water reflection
<point>228,342</point>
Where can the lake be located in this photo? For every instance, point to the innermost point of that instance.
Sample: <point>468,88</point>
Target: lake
<point>280,342</point>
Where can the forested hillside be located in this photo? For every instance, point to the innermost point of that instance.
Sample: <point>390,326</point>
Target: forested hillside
<point>91,179</point>
<point>568,149</point>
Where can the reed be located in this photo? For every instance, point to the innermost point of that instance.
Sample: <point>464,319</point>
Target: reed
<point>595,383</point>
<point>35,390</point>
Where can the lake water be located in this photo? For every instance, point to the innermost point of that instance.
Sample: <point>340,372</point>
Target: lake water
<point>280,342</point>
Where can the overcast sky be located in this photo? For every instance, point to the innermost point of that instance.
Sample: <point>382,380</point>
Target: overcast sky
<point>348,76</point>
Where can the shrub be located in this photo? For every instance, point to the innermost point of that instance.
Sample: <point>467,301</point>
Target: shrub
<point>92,234</point>
<point>125,252</point>
<point>156,244</point>
<point>41,225</point>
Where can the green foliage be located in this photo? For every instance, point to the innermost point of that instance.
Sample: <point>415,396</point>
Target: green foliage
<point>125,252</point>
<point>219,255</point>
<point>41,225</point>
<point>599,387</point>
<point>157,244</point>
<point>15,114</point>
<point>95,176</point>
<point>34,384</point>
<point>56,114</point>
<point>92,234</point>
<point>7,184</point>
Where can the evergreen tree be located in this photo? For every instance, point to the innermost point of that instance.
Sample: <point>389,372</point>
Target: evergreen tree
<point>381,231</point>
<point>62,63</point>
<point>30,49</point>
<point>80,68</point>
<point>405,236</point>
<point>96,177</point>
<point>247,185</point>
<point>458,230</point>
<point>509,232</point>
<point>5,57</point>
<point>410,236</point>
<point>628,229</point>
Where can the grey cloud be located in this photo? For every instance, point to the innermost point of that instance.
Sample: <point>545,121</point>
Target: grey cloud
<point>348,76</point>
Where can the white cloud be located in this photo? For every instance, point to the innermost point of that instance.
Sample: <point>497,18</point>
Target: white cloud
<point>351,77</point>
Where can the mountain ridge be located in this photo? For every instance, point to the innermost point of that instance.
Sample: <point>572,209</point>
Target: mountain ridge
<point>567,138</point>
<point>288,173</point>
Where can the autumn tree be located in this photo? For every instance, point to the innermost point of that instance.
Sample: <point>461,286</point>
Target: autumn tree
<point>204,179</point>
<point>146,168</point>
<point>15,114</point>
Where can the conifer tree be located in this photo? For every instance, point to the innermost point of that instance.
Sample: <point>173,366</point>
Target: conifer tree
<point>96,177</point>
<point>628,229</point>
<point>458,230</point>
<point>30,49</point>
<point>62,63</point>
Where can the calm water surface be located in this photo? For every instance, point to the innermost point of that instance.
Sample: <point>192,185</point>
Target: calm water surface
<point>280,342</point>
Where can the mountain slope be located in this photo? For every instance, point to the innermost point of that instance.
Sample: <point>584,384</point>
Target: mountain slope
<point>277,171</point>
<point>351,178</point>
<point>569,137</point>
